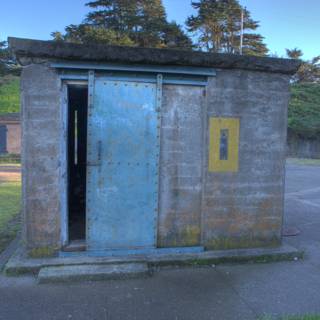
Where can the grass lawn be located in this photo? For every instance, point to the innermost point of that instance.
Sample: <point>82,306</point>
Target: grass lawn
<point>310,317</point>
<point>10,195</point>
<point>9,159</point>
<point>311,162</point>
<point>9,94</point>
<point>303,318</point>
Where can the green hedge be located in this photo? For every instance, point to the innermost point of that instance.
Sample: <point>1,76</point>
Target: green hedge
<point>9,94</point>
<point>304,110</point>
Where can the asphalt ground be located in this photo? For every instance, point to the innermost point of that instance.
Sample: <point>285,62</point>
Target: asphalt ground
<point>216,293</point>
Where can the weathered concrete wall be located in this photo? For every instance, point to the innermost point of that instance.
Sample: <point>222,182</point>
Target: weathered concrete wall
<point>14,138</point>
<point>218,210</point>
<point>41,129</point>
<point>298,147</point>
<point>244,209</point>
<point>181,166</point>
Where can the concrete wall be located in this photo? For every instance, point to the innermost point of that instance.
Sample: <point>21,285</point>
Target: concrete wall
<point>245,209</point>
<point>41,159</point>
<point>181,166</point>
<point>303,148</point>
<point>218,210</point>
<point>14,138</point>
<point>241,209</point>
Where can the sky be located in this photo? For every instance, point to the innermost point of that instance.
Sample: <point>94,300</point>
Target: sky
<point>283,23</point>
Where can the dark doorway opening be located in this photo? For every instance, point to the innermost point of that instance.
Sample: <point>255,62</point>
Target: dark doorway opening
<point>3,139</point>
<point>77,160</point>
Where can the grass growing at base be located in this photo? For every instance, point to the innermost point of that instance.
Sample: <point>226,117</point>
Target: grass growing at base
<point>10,197</point>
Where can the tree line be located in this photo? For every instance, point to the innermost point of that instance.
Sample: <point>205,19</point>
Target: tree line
<point>309,70</point>
<point>216,26</point>
<point>8,65</point>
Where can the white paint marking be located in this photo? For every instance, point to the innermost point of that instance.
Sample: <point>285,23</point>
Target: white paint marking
<point>304,192</point>
<point>307,202</point>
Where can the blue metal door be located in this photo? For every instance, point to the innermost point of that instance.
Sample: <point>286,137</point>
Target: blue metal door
<point>3,139</point>
<point>122,172</point>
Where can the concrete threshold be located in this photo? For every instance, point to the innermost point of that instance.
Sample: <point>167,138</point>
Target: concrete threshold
<point>20,264</point>
<point>92,272</point>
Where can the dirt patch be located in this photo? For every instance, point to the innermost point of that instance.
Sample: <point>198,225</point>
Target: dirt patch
<point>10,176</point>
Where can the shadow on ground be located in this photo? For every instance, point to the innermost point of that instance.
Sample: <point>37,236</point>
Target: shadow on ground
<point>224,292</point>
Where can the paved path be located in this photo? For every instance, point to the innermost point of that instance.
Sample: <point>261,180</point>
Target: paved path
<point>10,173</point>
<point>226,292</point>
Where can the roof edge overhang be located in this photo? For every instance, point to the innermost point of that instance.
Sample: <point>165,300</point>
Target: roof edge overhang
<point>58,50</point>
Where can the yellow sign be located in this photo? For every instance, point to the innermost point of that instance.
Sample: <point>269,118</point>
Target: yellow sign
<point>224,145</point>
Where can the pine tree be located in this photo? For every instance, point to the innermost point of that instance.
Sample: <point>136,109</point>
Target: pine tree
<point>309,71</point>
<point>89,34</point>
<point>176,38</point>
<point>3,54</point>
<point>218,24</point>
<point>141,20</point>
<point>294,53</point>
<point>8,64</point>
<point>118,15</point>
<point>127,22</point>
<point>151,23</point>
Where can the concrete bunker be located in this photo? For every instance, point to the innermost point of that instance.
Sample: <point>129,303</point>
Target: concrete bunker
<point>143,151</point>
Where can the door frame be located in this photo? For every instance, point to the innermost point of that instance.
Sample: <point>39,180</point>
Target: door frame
<point>64,118</point>
<point>65,82</point>
<point>83,74</point>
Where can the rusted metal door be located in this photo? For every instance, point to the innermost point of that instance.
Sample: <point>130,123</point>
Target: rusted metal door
<point>122,173</point>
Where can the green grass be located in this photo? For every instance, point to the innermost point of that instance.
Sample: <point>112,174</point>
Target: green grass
<point>10,159</point>
<point>306,317</point>
<point>9,94</point>
<point>311,162</point>
<point>304,110</point>
<point>10,197</point>
<point>302,318</point>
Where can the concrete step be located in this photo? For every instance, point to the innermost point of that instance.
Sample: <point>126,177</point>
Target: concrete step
<point>91,272</point>
<point>20,264</point>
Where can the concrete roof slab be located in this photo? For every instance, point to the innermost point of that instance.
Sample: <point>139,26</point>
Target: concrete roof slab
<point>58,50</point>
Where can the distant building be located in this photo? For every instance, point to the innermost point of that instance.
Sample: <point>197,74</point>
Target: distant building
<point>10,133</point>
